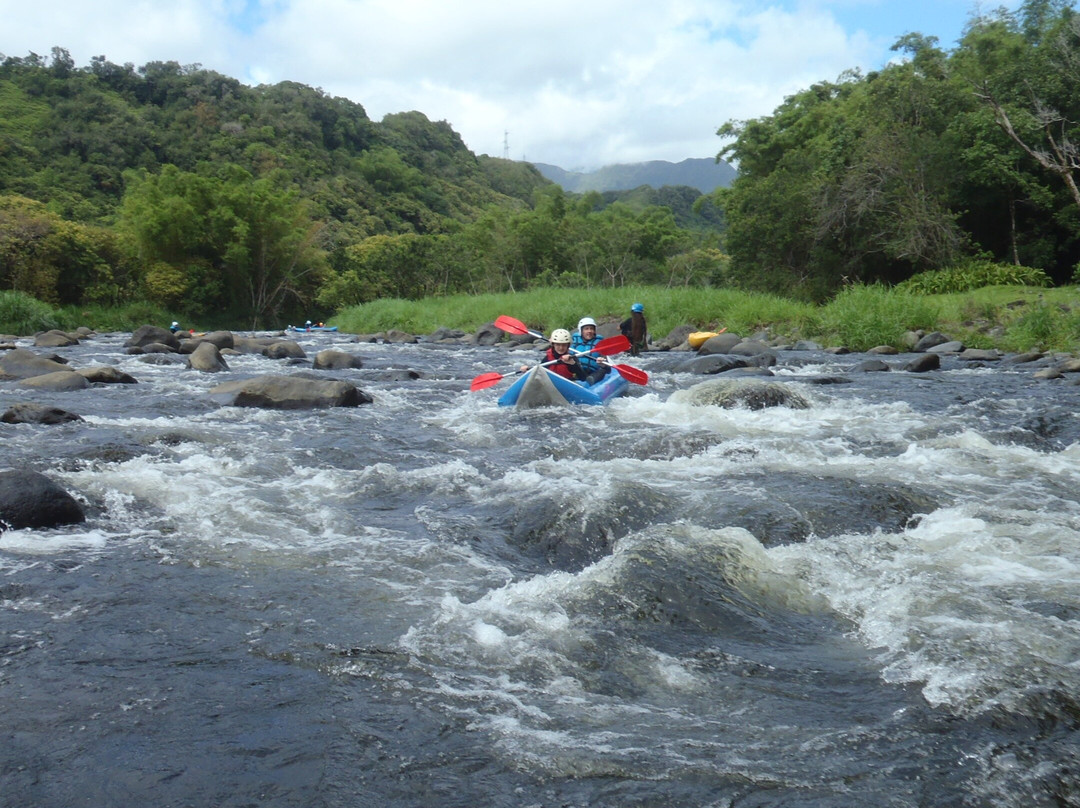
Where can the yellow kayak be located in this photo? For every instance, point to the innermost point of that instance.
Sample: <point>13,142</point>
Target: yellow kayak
<point>699,338</point>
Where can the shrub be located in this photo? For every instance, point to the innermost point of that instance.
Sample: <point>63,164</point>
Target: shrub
<point>23,315</point>
<point>973,275</point>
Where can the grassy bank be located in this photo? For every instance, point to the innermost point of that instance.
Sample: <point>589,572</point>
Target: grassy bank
<point>1012,318</point>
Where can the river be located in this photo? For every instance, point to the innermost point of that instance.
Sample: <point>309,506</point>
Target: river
<point>432,601</point>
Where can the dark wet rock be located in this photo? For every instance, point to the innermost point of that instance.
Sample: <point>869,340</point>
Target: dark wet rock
<point>488,334</point>
<point>284,349</point>
<point>883,350</point>
<point>150,348</point>
<point>253,345</point>
<point>29,499</point>
<point>871,366</point>
<point>928,341</point>
<point>289,393</point>
<point>106,374</point>
<point>151,334</point>
<point>748,393</point>
<point>824,381</point>
<point>55,339</point>
<point>766,359</point>
<point>443,334</point>
<point>838,350</point>
<point>207,358</point>
<point>31,413</point>
<point>720,344</point>
<point>393,375</point>
<point>397,336</point>
<point>924,363</point>
<point>676,338</point>
<point>62,380</point>
<point>1049,373</point>
<point>712,364</point>
<point>331,359</point>
<point>23,364</point>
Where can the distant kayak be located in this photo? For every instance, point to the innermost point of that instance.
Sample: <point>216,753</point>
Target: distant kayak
<point>699,338</point>
<point>304,328</point>
<point>541,387</point>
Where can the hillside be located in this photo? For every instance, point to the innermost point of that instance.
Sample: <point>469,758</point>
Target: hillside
<point>703,174</point>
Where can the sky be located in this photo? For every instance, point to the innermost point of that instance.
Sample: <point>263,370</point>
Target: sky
<point>575,83</point>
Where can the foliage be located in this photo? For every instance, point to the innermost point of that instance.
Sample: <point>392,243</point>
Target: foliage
<point>23,315</point>
<point>974,274</point>
<point>863,317</point>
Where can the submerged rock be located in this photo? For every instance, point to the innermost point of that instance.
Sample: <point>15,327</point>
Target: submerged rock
<point>749,393</point>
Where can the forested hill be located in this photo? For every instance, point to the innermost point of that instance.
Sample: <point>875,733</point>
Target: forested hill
<point>68,134</point>
<point>704,174</point>
<point>183,188</point>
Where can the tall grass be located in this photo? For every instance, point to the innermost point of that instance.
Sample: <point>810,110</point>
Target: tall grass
<point>863,317</point>
<point>22,315</point>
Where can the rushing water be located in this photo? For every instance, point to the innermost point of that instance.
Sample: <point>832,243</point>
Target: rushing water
<point>432,601</point>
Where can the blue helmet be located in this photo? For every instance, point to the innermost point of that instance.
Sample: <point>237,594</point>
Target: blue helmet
<point>637,307</point>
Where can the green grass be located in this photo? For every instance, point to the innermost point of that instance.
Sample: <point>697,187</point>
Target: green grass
<point>1013,318</point>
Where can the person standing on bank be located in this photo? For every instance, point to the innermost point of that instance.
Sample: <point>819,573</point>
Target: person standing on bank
<point>584,339</point>
<point>635,329</point>
<point>563,362</point>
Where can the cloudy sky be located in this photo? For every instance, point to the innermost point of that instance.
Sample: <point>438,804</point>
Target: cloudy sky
<point>576,83</point>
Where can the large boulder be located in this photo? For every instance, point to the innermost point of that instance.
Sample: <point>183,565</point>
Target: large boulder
<point>289,393</point>
<point>207,358</point>
<point>58,382</point>
<point>149,334</point>
<point>106,374</point>
<point>720,344</point>
<point>29,413</point>
<point>336,360</point>
<point>923,363</point>
<point>711,365</point>
<point>30,499</point>
<point>23,364</point>
<point>676,337</point>
<point>55,339</point>
<point>284,349</point>
<point>488,334</point>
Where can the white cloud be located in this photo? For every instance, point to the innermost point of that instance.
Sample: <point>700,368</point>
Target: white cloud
<point>578,84</point>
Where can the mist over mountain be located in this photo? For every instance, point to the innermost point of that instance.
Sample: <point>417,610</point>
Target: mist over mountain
<point>704,174</point>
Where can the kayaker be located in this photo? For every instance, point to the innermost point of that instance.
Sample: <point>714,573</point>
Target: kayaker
<point>635,330</point>
<point>585,338</point>
<point>563,362</point>
<point>174,327</point>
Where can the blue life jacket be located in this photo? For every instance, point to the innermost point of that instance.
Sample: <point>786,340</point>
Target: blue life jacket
<point>578,343</point>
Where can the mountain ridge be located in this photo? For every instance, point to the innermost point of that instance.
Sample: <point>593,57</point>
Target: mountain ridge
<point>704,174</point>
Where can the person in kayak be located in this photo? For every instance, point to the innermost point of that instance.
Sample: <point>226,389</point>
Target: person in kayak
<point>564,362</point>
<point>585,338</point>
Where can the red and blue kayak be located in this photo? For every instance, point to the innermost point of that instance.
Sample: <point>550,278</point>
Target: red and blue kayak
<point>541,387</point>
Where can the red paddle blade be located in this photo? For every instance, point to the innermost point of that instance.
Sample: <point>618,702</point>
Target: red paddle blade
<point>632,374</point>
<point>512,326</point>
<point>485,380</point>
<point>611,345</point>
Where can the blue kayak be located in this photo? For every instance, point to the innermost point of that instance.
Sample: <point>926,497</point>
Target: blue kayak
<point>542,388</point>
<point>304,328</point>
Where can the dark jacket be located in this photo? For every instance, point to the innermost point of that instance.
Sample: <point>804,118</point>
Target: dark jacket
<point>635,330</point>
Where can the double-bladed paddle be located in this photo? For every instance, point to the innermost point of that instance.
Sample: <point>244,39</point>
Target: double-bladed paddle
<point>605,347</point>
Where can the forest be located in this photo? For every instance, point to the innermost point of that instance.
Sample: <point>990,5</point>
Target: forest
<point>188,190</point>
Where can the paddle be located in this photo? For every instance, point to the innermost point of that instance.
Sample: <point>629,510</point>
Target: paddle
<point>605,347</point>
<point>512,326</point>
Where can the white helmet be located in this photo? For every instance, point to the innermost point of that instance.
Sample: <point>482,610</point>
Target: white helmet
<point>560,335</point>
<point>584,321</point>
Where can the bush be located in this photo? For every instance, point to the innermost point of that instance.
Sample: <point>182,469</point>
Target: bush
<point>863,317</point>
<point>23,315</point>
<point>973,275</point>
